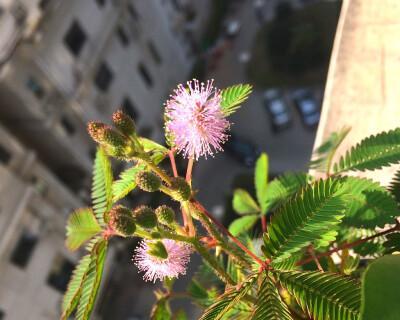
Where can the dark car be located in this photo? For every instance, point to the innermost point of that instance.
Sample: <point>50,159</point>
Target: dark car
<point>278,109</point>
<point>242,150</point>
<point>308,107</point>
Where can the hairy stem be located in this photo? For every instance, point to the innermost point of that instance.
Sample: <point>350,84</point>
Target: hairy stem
<point>160,172</point>
<point>350,245</point>
<point>189,171</point>
<point>173,164</point>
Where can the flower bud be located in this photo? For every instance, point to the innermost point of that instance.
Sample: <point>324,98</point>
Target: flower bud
<point>158,250</point>
<point>181,189</point>
<point>148,181</point>
<point>121,220</point>
<point>165,215</point>
<point>145,217</point>
<point>124,123</point>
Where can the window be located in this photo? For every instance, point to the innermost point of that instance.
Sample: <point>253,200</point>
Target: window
<point>75,38</point>
<point>5,156</point>
<point>122,36</point>
<point>60,273</point>
<point>129,109</point>
<point>103,77</point>
<point>154,53</point>
<point>24,249</point>
<point>35,87</point>
<point>100,3</point>
<point>132,11</point>
<point>67,125</point>
<point>145,75</point>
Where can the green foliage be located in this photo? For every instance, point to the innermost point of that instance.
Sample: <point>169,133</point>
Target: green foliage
<point>202,296</point>
<point>101,185</point>
<point>161,310</point>
<point>269,303</point>
<point>392,244</point>
<point>243,202</point>
<point>283,187</point>
<point>74,288</point>
<point>227,301</point>
<point>261,181</point>
<point>126,183</point>
<point>233,97</point>
<point>307,219</point>
<point>242,224</point>
<point>372,153</point>
<point>322,158</point>
<point>81,226</point>
<point>370,206</point>
<point>156,151</point>
<point>91,281</point>
<point>394,187</point>
<point>380,289</point>
<point>323,295</point>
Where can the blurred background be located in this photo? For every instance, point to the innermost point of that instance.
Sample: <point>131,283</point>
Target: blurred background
<point>63,63</point>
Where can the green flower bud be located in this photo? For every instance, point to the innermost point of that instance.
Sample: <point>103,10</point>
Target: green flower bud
<point>165,215</point>
<point>145,217</point>
<point>181,189</point>
<point>124,123</point>
<point>158,250</point>
<point>148,181</point>
<point>121,220</point>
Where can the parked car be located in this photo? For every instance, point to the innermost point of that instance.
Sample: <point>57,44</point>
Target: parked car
<point>308,107</point>
<point>278,109</point>
<point>242,150</point>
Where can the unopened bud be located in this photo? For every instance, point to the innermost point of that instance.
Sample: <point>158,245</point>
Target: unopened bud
<point>124,123</point>
<point>158,250</point>
<point>96,130</point>
<point>121,220</point>
<point>148,181</point>
<point>181,189</point>
<point>165,215</point>
<point>145,217</point>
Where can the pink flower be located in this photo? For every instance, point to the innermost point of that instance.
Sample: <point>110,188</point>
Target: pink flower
<point>195,120</point>
<point>158,268</point>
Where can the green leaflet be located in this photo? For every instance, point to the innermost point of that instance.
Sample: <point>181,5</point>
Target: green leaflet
<point>380,289</point>
<point>81,227</point>
<point>323,295</point>
<point>322,157</point>
<point>242,224</point>
<point>101,185</point>
<point>126,183</point>
<point>308,218</point>
<point>243,202</point>
<point>261,181</point>
<point>372,153</point>
<point>72,295</point>
<point>233,96</point>
<point>91,281</point>
<point>157,151</point>
<point>228,300</point>
<point>394,187</point>
<point>161,310</point>
<point>370,204</point>
<point>392,244</point>
<point>269,303</point>
<point>280,189</point>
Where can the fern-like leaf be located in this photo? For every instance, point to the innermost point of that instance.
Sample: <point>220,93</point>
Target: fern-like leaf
<point>91,281</point>
<point>72,295</point>
<point>269,303</point>
<point>322,157</point>
<point>283,187</point>
<point>308,218</point>
<point>394,187</point>
<point>102,185</point>
<point>323,295</point>
<point>370,206</point>
<point>228,300</point>
<point>372,153</point>
<point>126,182</point>
<point>233,96</point>
<point>81,227</point>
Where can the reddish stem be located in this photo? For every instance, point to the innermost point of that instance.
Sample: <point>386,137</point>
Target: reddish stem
<point>233,238</point>
<point>350,245</point>
<point>264,223</point>
<point>173,164</point>
<point>189,170</point>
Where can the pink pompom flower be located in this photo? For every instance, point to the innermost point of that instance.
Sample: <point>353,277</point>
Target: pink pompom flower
<point>158,268</point>
<point>195,120</point>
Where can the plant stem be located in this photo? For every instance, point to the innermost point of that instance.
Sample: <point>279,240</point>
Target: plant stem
<point>351,244</point>
<point>160,172</point>
<point>263,223</point>
<point>173,164</point>
<point>223,229</point>
<point>189,170</point>
<point>312,254</point>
